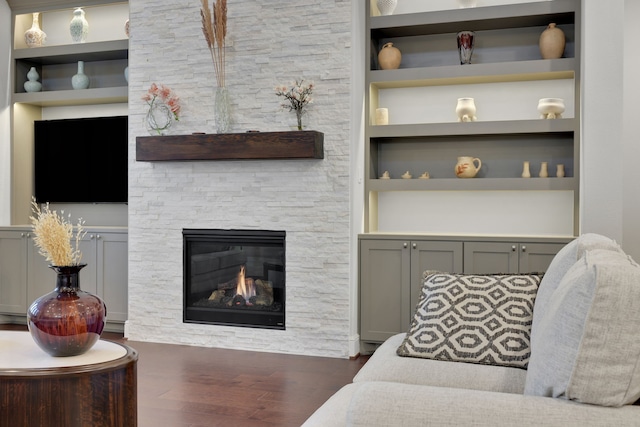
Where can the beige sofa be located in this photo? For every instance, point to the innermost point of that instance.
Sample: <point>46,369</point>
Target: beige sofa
<point>581,366</point>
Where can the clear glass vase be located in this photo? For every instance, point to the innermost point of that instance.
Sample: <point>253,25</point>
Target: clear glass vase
<point>222,110</point>
<point>159,119</point>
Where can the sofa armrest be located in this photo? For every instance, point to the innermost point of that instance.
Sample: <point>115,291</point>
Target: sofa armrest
<point>384,404</point>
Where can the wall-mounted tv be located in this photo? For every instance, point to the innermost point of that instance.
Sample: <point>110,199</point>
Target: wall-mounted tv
<point>81,160</point>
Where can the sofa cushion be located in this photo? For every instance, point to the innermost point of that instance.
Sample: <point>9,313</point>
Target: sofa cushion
<point>386,365</point>
<point>559,266</point>
<point>473,318</point>
<point>587,348</point>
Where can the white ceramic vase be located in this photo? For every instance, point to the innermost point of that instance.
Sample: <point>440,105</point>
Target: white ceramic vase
<point>386,7</point>
<point>80,80</point>
<point>34,36</point>
<point>526,171</point>
<point>560,170</point>
<point>551,108</point>
<point>79,27</point>
<point>544,170</point>
<point>33,85</point>
<point>466,110</point>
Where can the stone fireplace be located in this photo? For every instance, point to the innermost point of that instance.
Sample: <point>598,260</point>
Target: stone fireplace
<point>234,277</point>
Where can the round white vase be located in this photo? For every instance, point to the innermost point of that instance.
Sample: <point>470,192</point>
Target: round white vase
<point>33,85</point>
<point>79,27</point>
<point>80,80</point>
<point>466,110</point>
<point>386,7</point>
<point>551,108</point>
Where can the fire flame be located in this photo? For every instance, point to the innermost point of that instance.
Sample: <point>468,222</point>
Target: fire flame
<point>246,288</point>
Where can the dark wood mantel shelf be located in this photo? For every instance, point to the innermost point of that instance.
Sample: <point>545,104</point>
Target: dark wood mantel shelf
<point>231,146</point>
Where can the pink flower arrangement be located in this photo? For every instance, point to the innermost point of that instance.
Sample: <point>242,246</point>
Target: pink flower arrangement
<point>165,95</point>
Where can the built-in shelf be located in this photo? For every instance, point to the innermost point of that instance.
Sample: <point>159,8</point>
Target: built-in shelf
<point>231,146</point>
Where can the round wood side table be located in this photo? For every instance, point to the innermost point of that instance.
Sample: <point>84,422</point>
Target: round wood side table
<point>95,389</point>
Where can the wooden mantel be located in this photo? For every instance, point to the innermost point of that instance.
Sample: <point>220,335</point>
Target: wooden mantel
<point>231,146</point>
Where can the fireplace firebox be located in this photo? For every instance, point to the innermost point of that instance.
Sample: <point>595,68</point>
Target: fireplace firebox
<point>234,277</point>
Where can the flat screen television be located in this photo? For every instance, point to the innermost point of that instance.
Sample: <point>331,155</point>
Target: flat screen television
<point>81,160</point>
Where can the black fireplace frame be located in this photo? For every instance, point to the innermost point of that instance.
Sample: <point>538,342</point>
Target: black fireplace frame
<point>231,316</point>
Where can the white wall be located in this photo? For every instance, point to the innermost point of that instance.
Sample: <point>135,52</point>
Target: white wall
<point>5,112</point>
<point>309,199</point>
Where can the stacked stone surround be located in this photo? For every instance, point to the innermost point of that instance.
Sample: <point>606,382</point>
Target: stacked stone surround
<point>268,43</point>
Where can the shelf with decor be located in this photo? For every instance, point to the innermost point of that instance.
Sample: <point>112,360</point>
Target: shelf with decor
<point>104,57</point>
<point>507,77</point>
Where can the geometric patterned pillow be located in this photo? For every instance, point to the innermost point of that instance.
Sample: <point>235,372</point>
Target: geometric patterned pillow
<point>482,318</point>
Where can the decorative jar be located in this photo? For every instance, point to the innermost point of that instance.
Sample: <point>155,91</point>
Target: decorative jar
<point>466,110</point>
<point>34,36</point>
<point>79,26</point>
<point>80,79</point>
<point>551,108</point>
<point>389,57</point>
<point>544,170</point>
<point>33,85</point>
<point>552,42</point>
<point>67,321</point>
<point>386,7</point>
<point>526,170</point>
<point>466,41</point>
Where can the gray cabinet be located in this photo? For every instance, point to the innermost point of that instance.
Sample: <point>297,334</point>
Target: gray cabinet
<point>390,281</point>
<point>13,272</point>
<point>25,274</point>
<point>392,269</point>
<point>508,257</point>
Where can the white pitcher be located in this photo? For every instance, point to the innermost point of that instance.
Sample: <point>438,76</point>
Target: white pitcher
<point>466,167</point>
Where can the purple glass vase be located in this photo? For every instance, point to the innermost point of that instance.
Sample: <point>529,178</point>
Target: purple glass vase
<point>67,321</point>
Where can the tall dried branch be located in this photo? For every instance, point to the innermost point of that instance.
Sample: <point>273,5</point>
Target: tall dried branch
<point>214,28</point>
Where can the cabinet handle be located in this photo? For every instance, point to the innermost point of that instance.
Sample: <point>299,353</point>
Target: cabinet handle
<point>414,246</point>
<point>98,236</point>
<point>513,248</point>
<point>524,248</point>
<point>404,244</point>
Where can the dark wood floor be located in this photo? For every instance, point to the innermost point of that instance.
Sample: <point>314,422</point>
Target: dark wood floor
<point>185,386</point>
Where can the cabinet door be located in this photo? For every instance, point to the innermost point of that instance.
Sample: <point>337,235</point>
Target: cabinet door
<point>429,255</point>
<point>13,272</point>
<point>112,274</point>
<point>536,257</point>
<point>490,257</point>
<point>384,289</point>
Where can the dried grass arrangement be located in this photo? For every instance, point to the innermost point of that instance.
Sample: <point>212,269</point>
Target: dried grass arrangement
<point>214,28</point>
<point>53,236</point>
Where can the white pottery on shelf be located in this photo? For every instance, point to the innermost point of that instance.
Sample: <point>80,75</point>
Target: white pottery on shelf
<point>425,175</point>
<point>33,85</point>
<point>560,170</point>
<point>385,175</point>
<point>466,3</point>
<point>552,42</point>
<point>466,166</point>
<point>544,170</point>
<point>389,57</point>
<point>526,171</point>
<point>466,110</point>
<point>79,27</point>
<point>407,175</point>
<point>126,73</point>
<point>80,80</point>
<point>34,36</point>
<point>126,28</point>
<point>382,116</point>
<point>551,108</point>
<point>386,7</point>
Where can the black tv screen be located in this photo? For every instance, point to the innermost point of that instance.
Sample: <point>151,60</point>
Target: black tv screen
<point>81,160</point>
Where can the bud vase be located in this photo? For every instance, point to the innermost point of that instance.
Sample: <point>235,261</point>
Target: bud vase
<point>80,80</point>
<point>67,321</point>
<point>35,37</point>
<point>79,27</point>
<point>222,110</point>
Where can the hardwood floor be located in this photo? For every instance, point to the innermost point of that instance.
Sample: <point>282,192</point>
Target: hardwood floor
<point>185,386</point>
